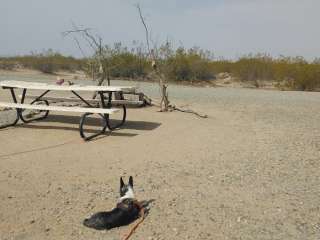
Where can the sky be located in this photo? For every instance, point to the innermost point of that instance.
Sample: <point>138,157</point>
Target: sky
<point>229,28</point>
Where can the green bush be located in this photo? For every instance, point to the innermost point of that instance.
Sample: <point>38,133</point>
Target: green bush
<point>297,74</point>
<point>7,65</point>
<point>46,62</point>
<point>293,73</point>
<point>221,66</point>
<point>128,65</point>
<point>188,65</point>
<point>252,69</point>
<point>119,62</point>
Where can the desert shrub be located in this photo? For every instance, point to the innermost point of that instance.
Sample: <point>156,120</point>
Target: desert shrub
<point>129,66</point>
<point>178,64</point>
<point>46,67</point>
<point>49,62</point>
<point>188,65</point>
<point>221,66</point>
<point>297,74</point>
<point>119,62</point>
<point>46,62</point>
<point>253,68</point>
<point>7,65</point>
<point>306,78</point>
<point>293,73</point>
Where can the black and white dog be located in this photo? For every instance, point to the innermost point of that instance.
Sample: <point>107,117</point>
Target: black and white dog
<point>126,211</point>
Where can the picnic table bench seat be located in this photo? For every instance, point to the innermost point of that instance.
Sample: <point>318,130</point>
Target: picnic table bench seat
<point>117,102</point>
<point>59,108</point>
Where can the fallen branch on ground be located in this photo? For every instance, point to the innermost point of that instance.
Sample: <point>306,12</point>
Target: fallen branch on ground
<point>173,107</point>
<point>180,109</point>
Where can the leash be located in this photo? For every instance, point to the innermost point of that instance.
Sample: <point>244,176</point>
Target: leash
<point>142,217</point>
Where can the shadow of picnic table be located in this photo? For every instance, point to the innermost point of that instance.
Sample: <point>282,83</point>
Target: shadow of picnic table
<point>91,122</point>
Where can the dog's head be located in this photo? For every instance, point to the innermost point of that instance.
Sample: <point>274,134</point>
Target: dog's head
<point>126,190</point>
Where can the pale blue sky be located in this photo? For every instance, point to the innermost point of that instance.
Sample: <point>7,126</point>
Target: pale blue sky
<point>229,28</point>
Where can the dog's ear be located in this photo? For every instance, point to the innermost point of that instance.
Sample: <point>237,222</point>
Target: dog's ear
<point>121,182</point>
<point>131,181</point>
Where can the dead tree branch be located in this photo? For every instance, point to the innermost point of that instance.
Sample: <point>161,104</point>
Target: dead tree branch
<point>99,54</point>
<point>173,107</point>
<point>79,46</point>
<point>164,102</point>
<point>145,27</point>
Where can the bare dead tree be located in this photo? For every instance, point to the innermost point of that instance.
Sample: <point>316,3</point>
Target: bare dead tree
<point>153,54</point>
<point>164,103</point>
<point>101,55</point>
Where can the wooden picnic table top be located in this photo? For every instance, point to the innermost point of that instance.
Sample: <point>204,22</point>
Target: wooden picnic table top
<point>56,87</point>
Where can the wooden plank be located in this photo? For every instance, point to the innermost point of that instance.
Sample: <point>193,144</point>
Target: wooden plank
<point>92,101</point>
<point>55,87</point>
<point>60,108</point>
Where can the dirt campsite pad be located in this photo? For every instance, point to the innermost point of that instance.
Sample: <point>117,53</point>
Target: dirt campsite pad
<point>249,171</point>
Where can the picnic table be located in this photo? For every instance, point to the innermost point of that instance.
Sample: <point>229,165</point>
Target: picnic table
<point>102,106</point>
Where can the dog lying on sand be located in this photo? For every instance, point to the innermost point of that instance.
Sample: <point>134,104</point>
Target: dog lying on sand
<point>127,210</point>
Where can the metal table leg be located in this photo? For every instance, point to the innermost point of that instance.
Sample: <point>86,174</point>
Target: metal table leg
<point>82,123</point>
<point>38,99</point>
<point>84,116</point>
<point>17,112</point>
<point>123,116</point>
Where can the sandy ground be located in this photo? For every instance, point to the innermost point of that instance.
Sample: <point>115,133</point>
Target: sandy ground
<point>249,171</point>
